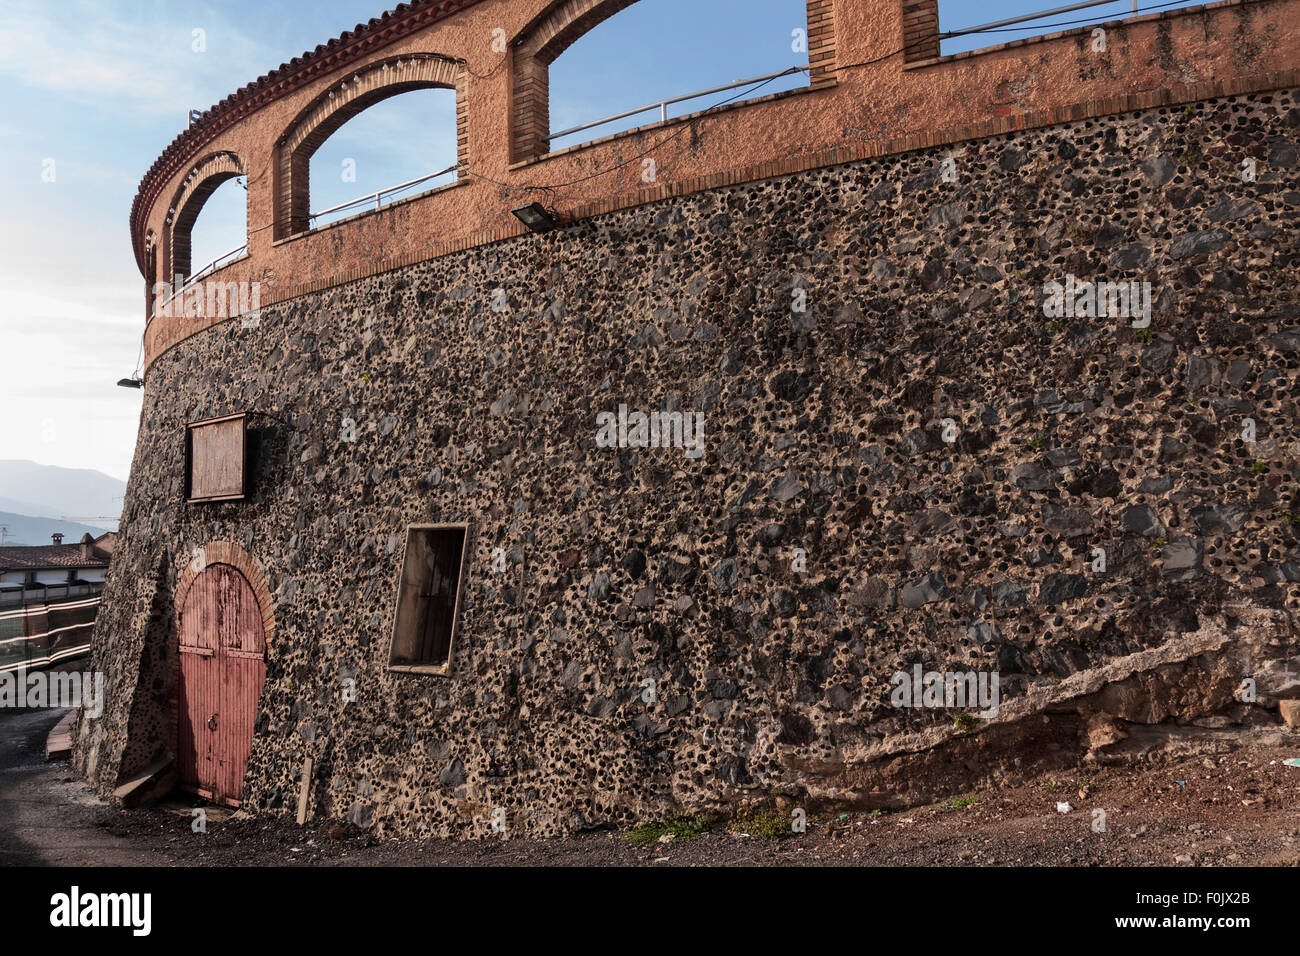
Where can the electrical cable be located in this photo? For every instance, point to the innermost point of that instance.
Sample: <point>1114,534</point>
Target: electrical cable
<point>1067,23</point>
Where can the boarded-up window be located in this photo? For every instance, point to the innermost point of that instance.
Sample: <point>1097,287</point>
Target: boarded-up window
<point>216,453</point>
<point>428,598</point>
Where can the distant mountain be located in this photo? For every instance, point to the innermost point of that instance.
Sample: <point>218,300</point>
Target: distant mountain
<point>24,529</point>
<point>31,490</point>
<point>22,507</point>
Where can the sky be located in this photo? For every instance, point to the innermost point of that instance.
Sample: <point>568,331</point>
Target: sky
<point>91,91</point>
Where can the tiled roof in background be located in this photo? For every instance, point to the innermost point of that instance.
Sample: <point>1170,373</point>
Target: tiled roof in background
<point>44,557</point>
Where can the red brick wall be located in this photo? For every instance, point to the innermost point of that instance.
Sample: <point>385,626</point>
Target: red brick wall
<point>337,104</point>
<point>920,30</point>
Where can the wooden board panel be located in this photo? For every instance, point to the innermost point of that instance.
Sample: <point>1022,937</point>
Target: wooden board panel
<point>217,451</point>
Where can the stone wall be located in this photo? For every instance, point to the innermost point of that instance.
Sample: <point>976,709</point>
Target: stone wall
<point>825,432</point>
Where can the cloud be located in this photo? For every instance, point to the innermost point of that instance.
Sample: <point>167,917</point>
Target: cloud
<point>93,52</point>
<point>70,345</point>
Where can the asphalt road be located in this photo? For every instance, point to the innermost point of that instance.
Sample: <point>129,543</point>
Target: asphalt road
<point>47,818</point>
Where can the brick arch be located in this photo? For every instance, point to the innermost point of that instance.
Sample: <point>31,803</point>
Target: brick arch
<point>203,179</point>
<point>150,269</point>
<point>342,101</point>
<point>227,552</point>
<point>564,22</point>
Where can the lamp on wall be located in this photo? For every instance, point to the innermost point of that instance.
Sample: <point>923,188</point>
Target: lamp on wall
<point>537,217</point>
<point>131,382</point>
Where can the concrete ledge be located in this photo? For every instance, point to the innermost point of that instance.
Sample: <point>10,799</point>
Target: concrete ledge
<point>151,783</point>
<point>58,744</point>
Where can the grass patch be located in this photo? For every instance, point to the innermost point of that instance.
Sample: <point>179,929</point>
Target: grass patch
<point>767,822</point>
<point>965,723</point>
<point>961,803</point>
<point>1290,517</point>
<point>682,828</point>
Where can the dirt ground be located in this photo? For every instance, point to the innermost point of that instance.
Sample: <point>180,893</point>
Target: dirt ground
<point>1226,809</point>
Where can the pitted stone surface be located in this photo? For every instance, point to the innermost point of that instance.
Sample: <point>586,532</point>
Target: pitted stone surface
<point>650,644</point>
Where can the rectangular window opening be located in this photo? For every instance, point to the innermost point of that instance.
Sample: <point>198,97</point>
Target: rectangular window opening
<point>428,598</point>
<point>1041,17</point>
<point>723,60</point>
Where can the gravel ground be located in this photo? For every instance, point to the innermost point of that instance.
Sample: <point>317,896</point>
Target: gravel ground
<point>1238,808</point>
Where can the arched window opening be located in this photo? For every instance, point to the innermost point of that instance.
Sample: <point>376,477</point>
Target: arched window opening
<point>586,69</point>
<point>225,222</point>
<point>388,152</point>
<point>1032,18</point>
<point>297,210</point>
<point>219,233</point>
<point>150,268</point>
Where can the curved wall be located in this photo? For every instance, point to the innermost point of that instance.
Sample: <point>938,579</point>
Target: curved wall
<point>865,98</point>
<point>824,431</point>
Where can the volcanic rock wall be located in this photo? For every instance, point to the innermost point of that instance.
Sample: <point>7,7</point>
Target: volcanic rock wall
<point>917,468</point>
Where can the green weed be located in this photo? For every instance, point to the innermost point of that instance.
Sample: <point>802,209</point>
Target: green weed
<point>682,828</point>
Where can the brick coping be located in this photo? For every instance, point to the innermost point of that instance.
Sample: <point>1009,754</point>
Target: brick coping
<point>835,156</point>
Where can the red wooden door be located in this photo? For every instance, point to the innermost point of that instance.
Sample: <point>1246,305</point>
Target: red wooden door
<point>222,658</point>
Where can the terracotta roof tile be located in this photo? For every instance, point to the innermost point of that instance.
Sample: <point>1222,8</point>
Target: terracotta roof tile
<point>50,556</point>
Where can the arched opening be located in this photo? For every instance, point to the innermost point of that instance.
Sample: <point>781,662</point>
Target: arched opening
<point>778,45</point>
<point>150,268</point>
<point>220,231</point>
<point>355,94</point>
<point>191,198</point>
<point>384,154</point>
<point>222,659</point>
<point>221,590</point>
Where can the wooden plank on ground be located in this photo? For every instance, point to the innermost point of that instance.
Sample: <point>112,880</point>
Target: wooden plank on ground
<point>304,790</point>
<point>58,744</point>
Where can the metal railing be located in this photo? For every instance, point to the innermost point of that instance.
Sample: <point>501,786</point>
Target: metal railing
<point>212,266</point>
<point>197,277</point>
<point>1031,16</point>
<point>378,197</point>
<point>662,105</point>
<point>48,594</point>
<point>40,634</point>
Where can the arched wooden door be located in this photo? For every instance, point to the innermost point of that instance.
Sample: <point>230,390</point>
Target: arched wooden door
<point>223,666</point>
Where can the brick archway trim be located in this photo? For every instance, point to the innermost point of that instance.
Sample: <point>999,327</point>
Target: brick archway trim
<point>227,552</point>
<point>203,179</point>
<point>366,38</point>
<point>343,100</point>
